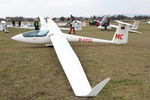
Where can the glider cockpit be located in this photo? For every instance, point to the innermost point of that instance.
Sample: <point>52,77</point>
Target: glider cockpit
<point>35,37</point>
<point>36,33</point>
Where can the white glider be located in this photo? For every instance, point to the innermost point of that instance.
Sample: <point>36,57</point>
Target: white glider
<point>132,29</point>
<point>148,22</point>
<point>78,26</point>
<point>135,25</point>
<point>1,27</point>
<point>51,34</point>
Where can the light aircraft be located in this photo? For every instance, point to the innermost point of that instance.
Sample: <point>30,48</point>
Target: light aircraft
<point>25,26</point>
<point>148,22</point>
<point>1,27</point>
<point>50,33</point>
<point>62,24</point>
<point>78,26</point>
<point>135,25</point>
<point>132,29</point>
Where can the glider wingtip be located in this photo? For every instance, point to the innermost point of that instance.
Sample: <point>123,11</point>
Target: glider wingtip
<point>98,88</point>
<point>94,92</point>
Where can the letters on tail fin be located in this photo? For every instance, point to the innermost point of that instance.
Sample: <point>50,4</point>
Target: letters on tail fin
<point>121,34</point>
<point>135,25</point>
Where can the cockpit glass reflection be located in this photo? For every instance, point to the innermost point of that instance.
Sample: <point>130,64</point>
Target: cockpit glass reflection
<point>37,33</point>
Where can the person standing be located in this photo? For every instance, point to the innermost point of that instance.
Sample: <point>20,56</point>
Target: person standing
<point>13,22</point>
<point>105,25</point>
<point>72,26</point>
<point>19,23</point>
<point>4,26</point>
<point>37,24</point>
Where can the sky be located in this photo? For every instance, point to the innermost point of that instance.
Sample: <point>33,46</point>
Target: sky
<point>84,8</point>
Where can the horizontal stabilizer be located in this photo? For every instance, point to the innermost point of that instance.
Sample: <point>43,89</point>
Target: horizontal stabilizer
<point>64,29</point>
<point>133,31</point>
<point>122,22</point>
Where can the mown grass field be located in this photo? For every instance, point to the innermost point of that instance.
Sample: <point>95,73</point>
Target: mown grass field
<point>31,72</point>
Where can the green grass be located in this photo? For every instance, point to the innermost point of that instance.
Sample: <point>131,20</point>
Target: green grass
<point>31,72</point>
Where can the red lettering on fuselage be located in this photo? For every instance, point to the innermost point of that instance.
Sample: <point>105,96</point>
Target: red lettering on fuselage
<point>119,36</point>
<point>85,40</point>
<point>34,39</point>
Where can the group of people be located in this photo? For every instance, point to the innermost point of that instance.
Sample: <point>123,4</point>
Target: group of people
<point>73,24</point>
<point>14,24</point>
<point>4,25</point>
<point>37,24</point>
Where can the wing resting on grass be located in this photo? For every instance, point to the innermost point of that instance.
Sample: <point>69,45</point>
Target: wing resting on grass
<point>73,69</point>
<point>71,64</point>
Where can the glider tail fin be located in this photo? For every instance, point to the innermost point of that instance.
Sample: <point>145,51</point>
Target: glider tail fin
<point>104,19</point>
<point>135,25</point>
<point>121,34</point>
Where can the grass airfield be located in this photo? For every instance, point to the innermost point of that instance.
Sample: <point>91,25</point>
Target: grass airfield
<point>33,72</point>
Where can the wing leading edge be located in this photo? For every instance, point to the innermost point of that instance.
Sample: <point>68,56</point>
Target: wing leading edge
<point>73,69</point>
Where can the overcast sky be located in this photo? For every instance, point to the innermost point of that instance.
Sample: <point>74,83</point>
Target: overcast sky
<point>34,8</point>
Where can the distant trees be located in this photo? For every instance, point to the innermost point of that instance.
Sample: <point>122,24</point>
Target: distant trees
<point>62,18</point>
<point>119,17</point>
<point>141,17</point>
<point>16,19</point>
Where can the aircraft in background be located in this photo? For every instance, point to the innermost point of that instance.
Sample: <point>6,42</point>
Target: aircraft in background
<point>62,24</point>
<point>30,26</point>
<point>148,22</point>
<point>133,27</point>
<point>78,26</point>
<point>25,26</point>
<point>1,27</point>
<point>51,34</point>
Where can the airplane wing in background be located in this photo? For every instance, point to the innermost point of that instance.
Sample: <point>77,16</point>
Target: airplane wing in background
<point>114,26</point>
<point>64,29</point>
<point>133,31</point>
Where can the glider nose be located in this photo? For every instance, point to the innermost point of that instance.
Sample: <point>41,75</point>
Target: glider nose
<point>18,37</point>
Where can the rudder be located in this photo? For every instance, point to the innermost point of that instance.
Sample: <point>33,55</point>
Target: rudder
<point>135,25</point>
<point>121,34</point>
